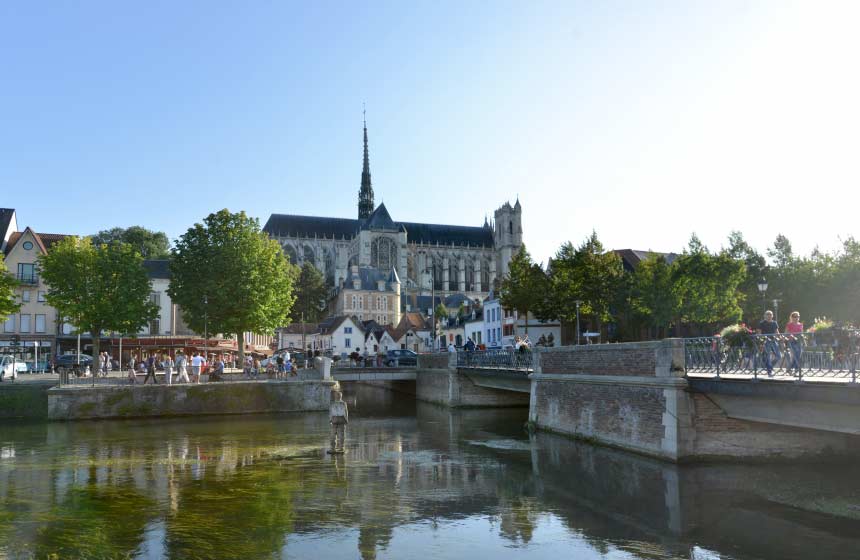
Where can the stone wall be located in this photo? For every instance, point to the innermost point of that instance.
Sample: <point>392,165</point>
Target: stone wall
<point>28,401</point>
<point>626,395</point>
<point>437,380</point>
<point>129,401</point>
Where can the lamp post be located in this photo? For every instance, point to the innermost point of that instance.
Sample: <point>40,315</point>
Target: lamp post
<point>578,303</point>
<point>762,288</point>
<point>432,297</point>
<point>206,327</point>
<point>776,310</point>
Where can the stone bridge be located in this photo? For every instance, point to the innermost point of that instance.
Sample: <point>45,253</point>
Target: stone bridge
<point>638,397</point>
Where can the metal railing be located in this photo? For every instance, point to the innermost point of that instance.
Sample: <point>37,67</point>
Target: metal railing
<point>496,359</point>
<point>27,278</point>
<point>785,356</point>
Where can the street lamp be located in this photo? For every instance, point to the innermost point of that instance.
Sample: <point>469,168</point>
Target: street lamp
<point>432,296</point>
<point>762,288</point>
<point>578,302</point>
<point>776,310</point>
<point>206,327</point>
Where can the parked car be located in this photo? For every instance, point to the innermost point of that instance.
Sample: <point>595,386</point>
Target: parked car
<point>401,358</point>
<point>8,367</point>
<point>68,362</point>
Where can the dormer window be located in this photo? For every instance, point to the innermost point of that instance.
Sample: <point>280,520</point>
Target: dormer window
<point>28,245</point>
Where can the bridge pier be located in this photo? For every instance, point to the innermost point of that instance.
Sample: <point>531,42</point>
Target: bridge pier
<point>636,396</point>
<point>438,380</point>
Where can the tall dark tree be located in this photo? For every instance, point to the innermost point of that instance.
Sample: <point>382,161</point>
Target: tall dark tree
<point>150,244</point>
<point>653,298</point>
<point>230,276</point>
<point>755,266</point>
<point>524,286</point>
<point>588,274</point>
<point>311,294</point>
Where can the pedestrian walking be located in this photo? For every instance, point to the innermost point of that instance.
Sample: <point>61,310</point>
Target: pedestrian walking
<point>150,370</point>
<point>769,328</point>
<point>281,369</point>
<point>288,368</point>
<point>794,328</point>
<point>249,366</point>
<point>339,417</point>
<point>168,364</point>
<point>255,370</point>
<point>181,368</point>
<point>132,362</point>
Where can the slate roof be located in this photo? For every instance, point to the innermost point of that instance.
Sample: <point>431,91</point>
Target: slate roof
<point>630,258</point>
<point>331,324</point>
<point>157,268</point>
<point>5,220</point>
<point>369,278</point>
<point>296,328</point>
<point>289,225</point>
<point>380,220</point>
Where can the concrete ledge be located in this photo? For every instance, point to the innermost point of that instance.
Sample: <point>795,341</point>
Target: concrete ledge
<point>668,382</point>
<point>130,401</point>
<point>357,374</point>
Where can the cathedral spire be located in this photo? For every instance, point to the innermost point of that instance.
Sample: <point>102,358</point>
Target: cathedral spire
<point>365,194</point>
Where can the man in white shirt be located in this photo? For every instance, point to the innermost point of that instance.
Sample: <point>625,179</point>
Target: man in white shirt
<point>196,364</point>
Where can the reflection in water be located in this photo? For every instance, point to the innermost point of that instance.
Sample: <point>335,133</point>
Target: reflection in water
<point>417,481</point>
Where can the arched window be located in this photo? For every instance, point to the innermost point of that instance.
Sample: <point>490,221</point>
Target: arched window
<point>383,253</point>
<point>290,251</point>
<point>511,227</point>
<point>353,302</point>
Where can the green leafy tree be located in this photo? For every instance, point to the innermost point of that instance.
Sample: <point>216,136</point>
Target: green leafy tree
<point>150,244</point>
<point>523,288</point>
<point>98,288</point>
<point>229,274</point>
<point>653,298</point>
<point>311,294</point>
<point>8,302</point>
<point>588,274</point>
<point>755,266</point>
<point>706,285</point>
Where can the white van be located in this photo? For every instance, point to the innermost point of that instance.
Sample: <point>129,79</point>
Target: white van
<point>8,367</point>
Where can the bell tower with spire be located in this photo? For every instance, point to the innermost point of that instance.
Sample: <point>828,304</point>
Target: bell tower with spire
<point>365,194</point>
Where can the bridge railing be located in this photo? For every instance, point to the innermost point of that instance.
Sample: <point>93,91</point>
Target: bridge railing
<point>496,359</point>
<point>796,357</point>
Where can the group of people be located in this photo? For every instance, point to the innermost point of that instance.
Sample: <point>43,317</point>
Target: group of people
<point>771,350</point>
<point>282,367</point>
<point>181,366</point>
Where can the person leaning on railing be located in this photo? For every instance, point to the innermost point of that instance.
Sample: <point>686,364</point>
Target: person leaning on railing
<point>794,328</point>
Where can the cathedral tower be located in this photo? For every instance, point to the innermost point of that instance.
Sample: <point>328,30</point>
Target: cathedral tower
<point>508,233</point>
<point>365,194</point>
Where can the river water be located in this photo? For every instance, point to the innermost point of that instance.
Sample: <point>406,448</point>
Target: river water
<point>417,481</point>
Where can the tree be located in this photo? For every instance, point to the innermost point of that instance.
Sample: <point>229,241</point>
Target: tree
<point>8,303</point>
<point>756,268</point>
<point>587,274</point>
<point>652,296</point>
<point>524,286</point>
<point>150,244</point>
<point>230,275</point>
<point>98,288</point>
<point>311,293</point>
<point>706,285</point>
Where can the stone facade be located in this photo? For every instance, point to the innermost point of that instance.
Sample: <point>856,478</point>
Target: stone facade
<point>451,259</point>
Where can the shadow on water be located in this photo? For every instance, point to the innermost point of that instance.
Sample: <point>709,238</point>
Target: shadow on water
<point>418,481</point>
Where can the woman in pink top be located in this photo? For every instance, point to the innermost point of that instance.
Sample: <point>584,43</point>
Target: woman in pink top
<point>794,329</point>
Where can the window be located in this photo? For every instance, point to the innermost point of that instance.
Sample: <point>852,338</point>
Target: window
<point>25,296</point>
<point>155,326</point>
<point>383,254</point>
<point>27,272</point>
<point>9,325</point>
<point>353,302</point>
<point>41,296</point>
<point>25,322</point>
<point>27,245</point>
<point>155,298</point>
<point>347,330</point>
<point>498,333</point>
<point>40,323</point>
<point>348,343</point>
<point>67,328</point>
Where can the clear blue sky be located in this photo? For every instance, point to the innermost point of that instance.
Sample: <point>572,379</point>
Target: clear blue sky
<point>644,120</point>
